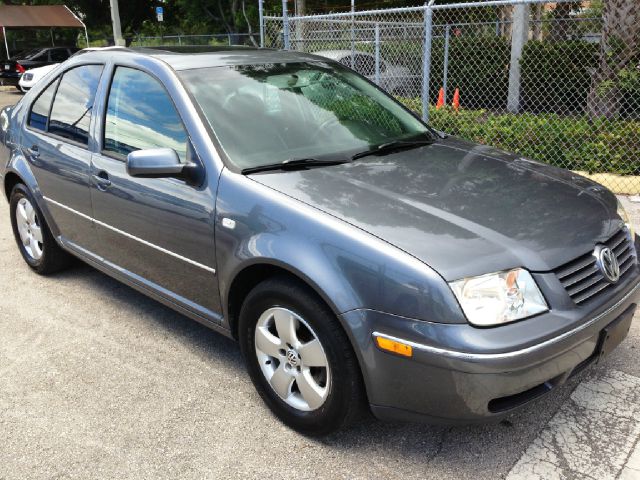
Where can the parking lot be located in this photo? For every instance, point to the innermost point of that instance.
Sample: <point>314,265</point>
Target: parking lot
<point>98,381</point>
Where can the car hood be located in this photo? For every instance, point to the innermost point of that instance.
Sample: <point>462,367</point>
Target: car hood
<point>464,209</point>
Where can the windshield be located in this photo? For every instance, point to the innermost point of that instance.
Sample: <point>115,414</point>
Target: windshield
<point>265,114</point>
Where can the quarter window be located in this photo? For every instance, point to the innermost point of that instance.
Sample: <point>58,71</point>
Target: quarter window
<point>71,112</point>
<point>141,115</point>
<point>39,115</point>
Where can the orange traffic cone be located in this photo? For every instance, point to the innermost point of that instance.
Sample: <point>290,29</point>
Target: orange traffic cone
<point>440,103</point>
<point>456,100</point>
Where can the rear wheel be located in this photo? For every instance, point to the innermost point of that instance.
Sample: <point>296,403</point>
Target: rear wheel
<point>299,358</point>
<point>37,246</point>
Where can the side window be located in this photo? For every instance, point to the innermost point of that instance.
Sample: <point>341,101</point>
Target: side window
<point>59,55</point>
<point>141,115</point>
<point>71,112</point>
<point>39,114</point>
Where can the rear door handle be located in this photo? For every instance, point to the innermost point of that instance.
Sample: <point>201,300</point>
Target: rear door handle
<point>34,151</point>
<point>102,180</point>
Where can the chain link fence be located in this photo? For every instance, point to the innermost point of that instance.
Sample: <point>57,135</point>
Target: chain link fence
<point>524,77</point>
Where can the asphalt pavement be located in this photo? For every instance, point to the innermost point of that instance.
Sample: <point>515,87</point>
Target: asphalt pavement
<point>98,381</point>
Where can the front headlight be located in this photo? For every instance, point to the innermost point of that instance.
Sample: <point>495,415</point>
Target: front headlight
<point>499,298</point>
<point>622,213</point>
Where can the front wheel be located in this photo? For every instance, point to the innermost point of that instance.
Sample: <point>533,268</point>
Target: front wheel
<point>299,358</point>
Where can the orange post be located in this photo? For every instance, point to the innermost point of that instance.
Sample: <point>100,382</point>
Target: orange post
<point>456,100</point>
<point>440,103</point>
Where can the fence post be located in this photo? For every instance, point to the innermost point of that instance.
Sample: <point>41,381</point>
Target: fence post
<point>285,25</point>
<point>261,20</point>
<point>353,33</point>
<point>446,61</point>
<point>519,36</point>
<point>377,42</point>
<point>426,59</point>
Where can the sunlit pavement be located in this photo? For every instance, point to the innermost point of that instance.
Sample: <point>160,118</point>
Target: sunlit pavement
<point>98,381</point>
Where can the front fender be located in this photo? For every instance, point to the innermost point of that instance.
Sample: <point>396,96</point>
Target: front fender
<point>350,268</point>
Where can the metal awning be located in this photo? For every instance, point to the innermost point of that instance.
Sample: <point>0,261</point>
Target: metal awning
<point>38,16</point>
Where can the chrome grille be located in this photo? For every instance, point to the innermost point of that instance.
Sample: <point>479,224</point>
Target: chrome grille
<point>582,278</point>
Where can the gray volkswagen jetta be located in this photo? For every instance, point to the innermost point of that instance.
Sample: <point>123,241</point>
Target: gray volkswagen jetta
<point>361,259</point>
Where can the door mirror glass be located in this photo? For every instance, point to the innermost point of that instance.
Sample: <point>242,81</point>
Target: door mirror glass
<point>154,163</point>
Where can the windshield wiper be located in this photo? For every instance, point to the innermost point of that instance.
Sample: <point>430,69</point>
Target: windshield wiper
<point>392,146</point>
<point>293,164</point>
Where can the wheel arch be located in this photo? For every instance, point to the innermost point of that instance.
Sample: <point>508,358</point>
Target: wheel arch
<point>11,179</point>
<point>250,275</point>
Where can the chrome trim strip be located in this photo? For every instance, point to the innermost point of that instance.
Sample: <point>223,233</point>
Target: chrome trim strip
<point>475,357</point>
<point>132,237</point>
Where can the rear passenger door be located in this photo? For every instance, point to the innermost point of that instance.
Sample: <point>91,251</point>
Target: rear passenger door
<point>160,231</point>
<point>56,144</point>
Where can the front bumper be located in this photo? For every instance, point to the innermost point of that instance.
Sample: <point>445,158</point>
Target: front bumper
<point>459,373</point>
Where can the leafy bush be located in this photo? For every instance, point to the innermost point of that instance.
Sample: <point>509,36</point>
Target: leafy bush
<point>555,75</point>
<point>575,143</point>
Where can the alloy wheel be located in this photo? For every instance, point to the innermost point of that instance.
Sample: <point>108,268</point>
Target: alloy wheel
<point>29,229</point>
<point>292,359</point>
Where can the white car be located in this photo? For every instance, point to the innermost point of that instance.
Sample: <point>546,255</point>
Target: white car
<point>30,77</point>
<point>395,79</point>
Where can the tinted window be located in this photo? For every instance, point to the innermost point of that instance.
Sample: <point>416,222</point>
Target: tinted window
<point>59,55</point>
<point>71,112</point>
<point>140,115</point>
<point>40,110</point>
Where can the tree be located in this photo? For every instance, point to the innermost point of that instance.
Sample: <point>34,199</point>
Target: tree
<point>619,56</point>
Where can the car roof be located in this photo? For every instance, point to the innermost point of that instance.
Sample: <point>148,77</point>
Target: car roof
<point>185,58</point>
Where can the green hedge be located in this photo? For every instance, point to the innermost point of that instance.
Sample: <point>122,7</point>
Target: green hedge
<point>575,143</point>
<point>555,75</point>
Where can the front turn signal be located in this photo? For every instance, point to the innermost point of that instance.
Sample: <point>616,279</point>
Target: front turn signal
<point>394,347</point>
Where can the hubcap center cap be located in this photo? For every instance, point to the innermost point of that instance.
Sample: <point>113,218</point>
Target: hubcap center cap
<point>292,358</point>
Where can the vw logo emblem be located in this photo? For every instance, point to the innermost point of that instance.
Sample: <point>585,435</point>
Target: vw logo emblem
<point>292,358</point>
<point>607,263</point>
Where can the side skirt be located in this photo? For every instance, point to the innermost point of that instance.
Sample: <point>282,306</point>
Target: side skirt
<point>181,305</point>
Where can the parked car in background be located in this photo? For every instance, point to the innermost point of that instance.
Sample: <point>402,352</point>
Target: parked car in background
<point>13,68</point>
<point>31,77</point>
<point>395,79</point>
<point>359,257</point>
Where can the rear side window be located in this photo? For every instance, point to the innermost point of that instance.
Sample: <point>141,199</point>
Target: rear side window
<point>39,115</point>
<point>141,115</point>
<point>71,112</point>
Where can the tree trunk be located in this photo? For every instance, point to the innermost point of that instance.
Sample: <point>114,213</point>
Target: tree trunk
<point>619,46</point>
<point>537,22</point>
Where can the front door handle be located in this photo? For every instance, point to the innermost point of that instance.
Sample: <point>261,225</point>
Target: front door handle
<point>34,151</point>
<point>102,180</point>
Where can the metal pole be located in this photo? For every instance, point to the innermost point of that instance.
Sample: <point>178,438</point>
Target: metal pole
<point>285,25</point>
<point>377,33</point>
<point>519,36</point>
<point>115,19</point>
<point>261,20</point>
<point>446,61</point>
<point>426,61</point>
<point>353,33</point>
<point>6,44</point>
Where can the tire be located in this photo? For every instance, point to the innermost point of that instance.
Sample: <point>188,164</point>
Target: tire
<point>35,242</point>
<point>333,395</point>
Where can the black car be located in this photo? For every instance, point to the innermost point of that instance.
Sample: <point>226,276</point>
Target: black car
<point>11,70</point>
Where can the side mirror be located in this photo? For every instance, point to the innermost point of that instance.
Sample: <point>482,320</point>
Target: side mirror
<point>154,163</point>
